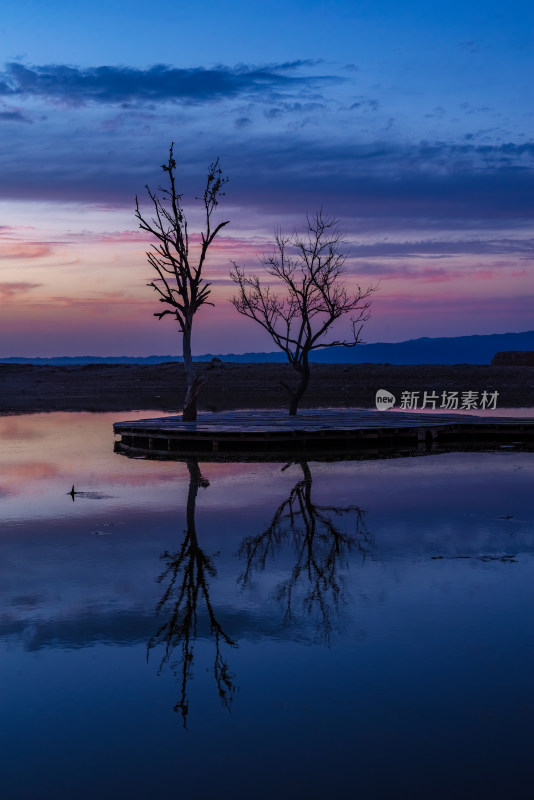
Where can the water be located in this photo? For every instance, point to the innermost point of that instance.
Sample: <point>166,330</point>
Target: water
<point>354,629</point>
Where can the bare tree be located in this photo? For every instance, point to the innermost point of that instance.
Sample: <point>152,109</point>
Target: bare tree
<point>180,283</point>
<point>309,269</point>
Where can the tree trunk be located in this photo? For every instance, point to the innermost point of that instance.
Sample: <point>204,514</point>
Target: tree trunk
<point>189,413</point>
<point>301,388</point>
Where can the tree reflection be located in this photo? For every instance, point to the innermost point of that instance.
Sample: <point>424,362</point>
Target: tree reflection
<point>320,541</point>
<point>320,548</point>
<point>186,576</point>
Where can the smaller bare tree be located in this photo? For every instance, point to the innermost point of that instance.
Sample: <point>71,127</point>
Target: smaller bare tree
<point>309,269</point>
<point>180,283</point>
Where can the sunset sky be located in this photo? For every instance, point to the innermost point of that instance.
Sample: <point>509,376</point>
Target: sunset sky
<point>412,123</point>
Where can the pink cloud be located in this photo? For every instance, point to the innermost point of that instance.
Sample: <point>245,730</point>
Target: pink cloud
<point>116,237</point>
<point>452,271</point>
<point>10,250</point>
<point>115,301</point>
<point>9,289</point>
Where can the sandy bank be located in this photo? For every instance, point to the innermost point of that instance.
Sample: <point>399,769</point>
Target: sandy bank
<point>227,386</point>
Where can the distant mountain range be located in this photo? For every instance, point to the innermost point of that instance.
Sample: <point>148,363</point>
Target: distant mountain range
<point>450,350</point>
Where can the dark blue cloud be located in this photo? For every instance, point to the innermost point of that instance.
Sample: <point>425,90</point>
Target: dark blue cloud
<point>159,83</point>
<point>364,104</point>
<point>94,155</point>
<point>13,116</point>
<point>421,181</point>
<point>279,174</point>
<point>293,108</point>
<point>432,249</point>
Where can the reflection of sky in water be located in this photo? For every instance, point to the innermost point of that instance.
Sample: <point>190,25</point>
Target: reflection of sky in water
<point>420,684</point>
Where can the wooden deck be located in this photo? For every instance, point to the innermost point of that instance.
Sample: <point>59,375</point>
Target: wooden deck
<point>314,430</point>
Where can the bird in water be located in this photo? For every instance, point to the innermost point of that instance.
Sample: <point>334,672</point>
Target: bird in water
<point>72,492</point>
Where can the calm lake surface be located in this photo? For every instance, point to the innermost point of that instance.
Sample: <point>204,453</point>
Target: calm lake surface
<point>243,630</point>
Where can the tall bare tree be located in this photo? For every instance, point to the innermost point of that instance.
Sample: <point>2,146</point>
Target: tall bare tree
<point>309,270</point>
<point>180,283</point>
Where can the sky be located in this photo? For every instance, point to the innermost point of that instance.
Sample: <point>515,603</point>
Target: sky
<point>410,123</point>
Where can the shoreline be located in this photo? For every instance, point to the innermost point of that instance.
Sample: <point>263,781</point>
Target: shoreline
<point>229,386</point>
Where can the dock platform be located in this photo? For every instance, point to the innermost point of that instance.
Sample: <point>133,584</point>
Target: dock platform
<point>228,433</point>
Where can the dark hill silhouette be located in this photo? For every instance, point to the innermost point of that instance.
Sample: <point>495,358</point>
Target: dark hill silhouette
<point>426,350</point>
